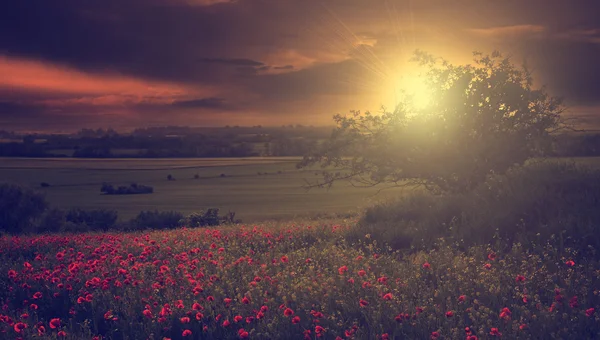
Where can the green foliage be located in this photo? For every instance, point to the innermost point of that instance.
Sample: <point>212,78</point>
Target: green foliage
<point>52,221</point>
<point>533,203</point>
<point>96,220</point>
<point>210,217</point>
<point>132,189</point>
<point>19,207</point>
<point>157,220</point>
<point>483,119</point>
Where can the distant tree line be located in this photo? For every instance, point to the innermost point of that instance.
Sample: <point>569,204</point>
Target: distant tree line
<point>169,142</point>
<point>23,210</point>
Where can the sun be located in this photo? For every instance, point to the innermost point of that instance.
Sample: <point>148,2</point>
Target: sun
<point>412,87</point>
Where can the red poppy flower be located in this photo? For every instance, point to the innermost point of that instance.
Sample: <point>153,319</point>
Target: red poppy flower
<point>342,270</point>
<point>284,259</point>
<point>570,263</point>
<point>520,278</point>
<point>449,314</point>
<point>387,296</point>
<point>363,303</point>
<point>589,312</point>
<point>288,312</point>
<point>426,265</point>
<point>19,326</point>
<point>185,319</point>
<point>495,332</point>
<point>54,323</point>
<point>237,318</point>
<point>61,334</point>
<point>226,323</point>
<point>186,332</point>
<point>296,319</point>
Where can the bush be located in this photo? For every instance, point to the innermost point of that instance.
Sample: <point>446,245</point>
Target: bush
<point>52,221</point>
<point>530,204</point>
<point>132,189</point>
<point>156,220</point>
<point>206,218</point>
<point>97,220</point>
<point>19,207</point>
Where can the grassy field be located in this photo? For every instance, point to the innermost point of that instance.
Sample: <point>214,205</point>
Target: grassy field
<point>276,194</point>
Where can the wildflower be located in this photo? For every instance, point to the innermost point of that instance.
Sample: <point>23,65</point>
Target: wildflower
<point>361,272</point>
<point>505,314</point>
<point>19,326</point>
<point>472,337</point>
<point>296,319</point>
<point>288,312</point>
<point>226,323</point>
<point>54,323</point>
<point>237,318</point>
<point>243,334</point>
<point>185,319</point>
<point>520,278</point>
<point>522,326</point>
<point>570,263</point>
<point>245,300</point>
<point>41,330</point>
<point>319,331</point>
<point>449,314</point>
<point>495,332</point>
<point>435,335</point>
<point>196,306</point>
<point>387,296</point>
<point>284,259</point>
<point>461,298</point>
<point>491,256</point>
<point>342,270</point>
<point>487,266</point>
<point>147,313</point>
<point>61,334</point>
<point>573,302</point>
<point>426,265</point>
<point>589,312</point>
<point>186,332</point>
<point>363,303</point>
<point>385,336</point>
<point>199,316</point>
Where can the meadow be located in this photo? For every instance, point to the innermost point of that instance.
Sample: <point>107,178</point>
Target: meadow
<point>254,188</point>
<point>288,280</point>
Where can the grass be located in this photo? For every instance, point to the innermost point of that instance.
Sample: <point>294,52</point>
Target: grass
<point>293,280</point>
<point>254,197</point>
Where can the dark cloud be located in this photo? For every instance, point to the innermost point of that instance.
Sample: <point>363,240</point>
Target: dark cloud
<point>235,61</point>
<point>208,103</point>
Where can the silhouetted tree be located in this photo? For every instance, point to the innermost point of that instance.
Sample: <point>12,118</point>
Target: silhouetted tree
<point>483,119</point>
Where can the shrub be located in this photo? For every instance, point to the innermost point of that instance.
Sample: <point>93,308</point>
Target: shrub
<point>132,189</point>
<point>97,220</point>
<point>19,207</point>
<point>530,204</point>
<point>209,217</point>
<point>157,220</point>
<point>52,221</point>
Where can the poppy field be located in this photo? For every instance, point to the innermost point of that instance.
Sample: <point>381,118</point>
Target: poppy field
<point>294,281</point>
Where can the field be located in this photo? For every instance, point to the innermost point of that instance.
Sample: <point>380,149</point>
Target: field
<point>274,194</point>
<point>287,281</point>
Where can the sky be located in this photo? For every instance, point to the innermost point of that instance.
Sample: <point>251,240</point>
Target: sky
<point>69,64</point>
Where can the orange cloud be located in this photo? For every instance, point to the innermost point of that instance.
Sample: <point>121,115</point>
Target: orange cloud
<point>31,76</point>
<point>508,31</point>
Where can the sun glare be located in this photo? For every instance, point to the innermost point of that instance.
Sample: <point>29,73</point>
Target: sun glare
<point>411,86</point>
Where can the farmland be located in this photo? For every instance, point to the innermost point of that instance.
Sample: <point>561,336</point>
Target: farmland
<point>254,188</point>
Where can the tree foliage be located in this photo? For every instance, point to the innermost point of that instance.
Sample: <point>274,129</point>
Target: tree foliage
<point>483,118</point>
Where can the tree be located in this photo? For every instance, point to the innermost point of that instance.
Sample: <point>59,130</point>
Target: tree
<point>19,208</point>
<point>482,119</point>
